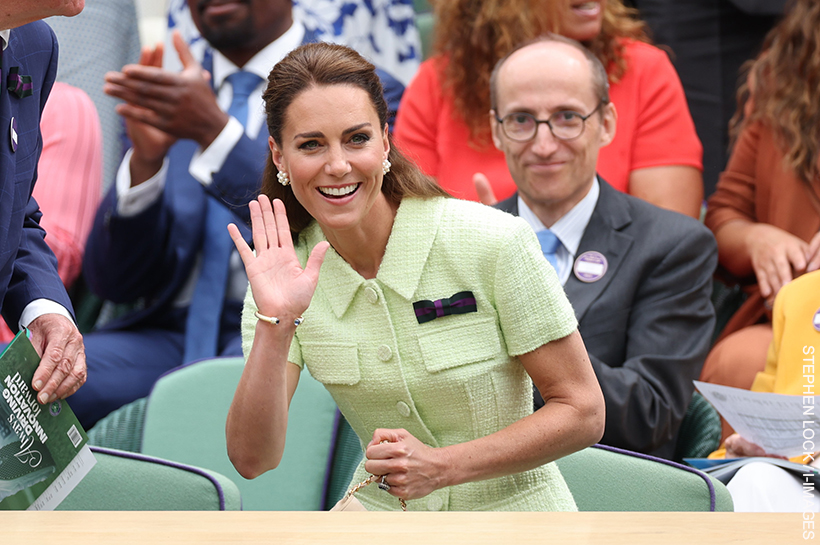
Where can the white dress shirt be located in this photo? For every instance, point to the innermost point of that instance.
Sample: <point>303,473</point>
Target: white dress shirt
<point>569,228</point>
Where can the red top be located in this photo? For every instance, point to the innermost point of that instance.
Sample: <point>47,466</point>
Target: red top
<point>654,128</point>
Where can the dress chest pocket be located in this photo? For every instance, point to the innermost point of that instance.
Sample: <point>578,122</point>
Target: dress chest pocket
<point>332,363</point>
<point>462,344</point>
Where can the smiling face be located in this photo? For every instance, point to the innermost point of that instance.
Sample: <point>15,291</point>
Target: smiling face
<point>552,175</point>
<point>241,25</point>
<point>582,19</point>
<point>333,147</point>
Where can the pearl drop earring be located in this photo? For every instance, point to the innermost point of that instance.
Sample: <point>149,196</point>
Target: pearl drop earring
<point>283,177</point>
<point>386,166</point>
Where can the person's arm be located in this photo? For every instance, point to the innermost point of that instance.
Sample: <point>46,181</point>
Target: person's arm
<point>667,155</point>
<point>747,247</point>
<point>34,270</point>
<point>127,253</point>
<point>416,131</point>
<point>571,419</point>
<point>257,420</point>
<point>674,187</point>
<point>647,382</point>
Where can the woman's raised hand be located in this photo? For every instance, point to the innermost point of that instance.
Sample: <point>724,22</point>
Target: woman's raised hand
<point>280,286</point>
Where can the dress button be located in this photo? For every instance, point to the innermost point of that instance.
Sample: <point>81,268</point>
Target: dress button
<point>435,504</point>
<point>371,294</point>
<point>385,353</point>
<point>403,408</point>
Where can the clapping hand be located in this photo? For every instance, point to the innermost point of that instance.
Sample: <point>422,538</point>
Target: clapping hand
<point>280,286</point>
<point>162,106</point>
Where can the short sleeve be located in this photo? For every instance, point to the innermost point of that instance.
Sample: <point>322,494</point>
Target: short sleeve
<point>531,304</point>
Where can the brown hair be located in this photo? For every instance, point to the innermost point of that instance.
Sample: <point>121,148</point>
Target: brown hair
<point>785,88</point>
<point>473,35</point>
<point>324,64</point>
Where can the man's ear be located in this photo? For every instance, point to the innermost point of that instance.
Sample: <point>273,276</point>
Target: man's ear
<point>276,154</point>
<point>495,129</point>
<point>609,123</point>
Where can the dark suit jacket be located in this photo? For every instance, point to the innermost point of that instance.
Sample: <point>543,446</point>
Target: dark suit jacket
<point>28,268</point>
<point>145,260</point>
<point>647,324</point>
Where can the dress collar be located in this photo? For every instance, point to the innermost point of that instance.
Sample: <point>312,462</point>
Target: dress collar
<point>414,230</point>
<point>4,36</point>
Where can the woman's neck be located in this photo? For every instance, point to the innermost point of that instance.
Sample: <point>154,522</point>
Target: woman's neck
<point>363,246</point>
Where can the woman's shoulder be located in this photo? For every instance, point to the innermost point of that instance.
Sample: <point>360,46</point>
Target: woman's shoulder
<point>475,220</point>
<point>639,50</point>
<point>645,60</point>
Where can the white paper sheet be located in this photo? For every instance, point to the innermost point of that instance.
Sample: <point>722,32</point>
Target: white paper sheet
<point>781,424</point>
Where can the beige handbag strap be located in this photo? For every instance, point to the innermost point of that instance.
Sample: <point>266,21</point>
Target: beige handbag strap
<point>348,502</point>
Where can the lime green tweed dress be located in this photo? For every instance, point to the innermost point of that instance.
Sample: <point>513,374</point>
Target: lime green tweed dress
<point>449,380</point>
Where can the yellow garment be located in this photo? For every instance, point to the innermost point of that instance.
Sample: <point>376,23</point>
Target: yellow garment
<point>790,360</point>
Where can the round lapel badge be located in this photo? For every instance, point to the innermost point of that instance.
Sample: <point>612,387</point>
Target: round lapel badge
<point>816,320</point>
<point>590,267</point>
<point>13,134</point>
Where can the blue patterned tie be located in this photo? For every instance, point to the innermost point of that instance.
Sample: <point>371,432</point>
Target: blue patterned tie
<point>549,245</point>
<point>205,312</point>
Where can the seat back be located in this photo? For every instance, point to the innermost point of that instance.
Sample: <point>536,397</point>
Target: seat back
<point>127,481</point>
<point>605,478</point>
<point>185,421</point>
<point>121,429</point>
<point>347,453</point>
<point>700,430</point>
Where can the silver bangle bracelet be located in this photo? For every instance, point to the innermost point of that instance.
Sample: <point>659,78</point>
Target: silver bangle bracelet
<point>275,321</point>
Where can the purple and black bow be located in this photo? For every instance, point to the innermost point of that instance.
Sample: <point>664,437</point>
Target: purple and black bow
<point>460,303</point>
<point>21,86</point>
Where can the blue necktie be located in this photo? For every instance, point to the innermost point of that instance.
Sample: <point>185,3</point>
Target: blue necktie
<point>205,312</point>
<point>549,245</point>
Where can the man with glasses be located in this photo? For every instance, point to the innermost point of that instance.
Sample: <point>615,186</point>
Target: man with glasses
<point>638,277</point>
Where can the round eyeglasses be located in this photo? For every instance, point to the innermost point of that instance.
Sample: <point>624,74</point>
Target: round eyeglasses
<point>564,125</point>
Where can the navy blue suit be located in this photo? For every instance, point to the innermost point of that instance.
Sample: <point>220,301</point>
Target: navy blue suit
<point>28,268</point>
<point>144,261</point>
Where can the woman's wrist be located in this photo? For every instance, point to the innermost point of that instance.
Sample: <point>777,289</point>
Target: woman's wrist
<point>276,320</point>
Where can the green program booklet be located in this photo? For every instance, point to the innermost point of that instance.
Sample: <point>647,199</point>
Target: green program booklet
<point>43,450</point>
